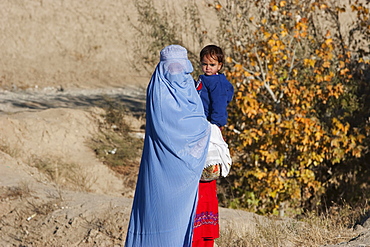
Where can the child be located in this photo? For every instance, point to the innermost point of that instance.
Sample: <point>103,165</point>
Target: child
<point>216,93</point>
<point>214,89</point>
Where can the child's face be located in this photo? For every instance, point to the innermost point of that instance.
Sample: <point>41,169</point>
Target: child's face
<point>210,66</point>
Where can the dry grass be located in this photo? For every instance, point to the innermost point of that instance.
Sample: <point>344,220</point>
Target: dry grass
<point>8,149</point>
<point>68,175</point>
<point>22,190</point>
<point>332,227</point>
<point>115,145</point>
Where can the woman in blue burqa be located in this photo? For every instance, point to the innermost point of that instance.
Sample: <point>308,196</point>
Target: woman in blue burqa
<point>175,147</point>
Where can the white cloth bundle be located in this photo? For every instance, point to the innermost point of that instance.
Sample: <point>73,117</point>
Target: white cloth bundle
<point>218,151</point>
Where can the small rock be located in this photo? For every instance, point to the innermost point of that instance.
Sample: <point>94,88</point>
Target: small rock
<point>358,227</point>
<point>366,224</point>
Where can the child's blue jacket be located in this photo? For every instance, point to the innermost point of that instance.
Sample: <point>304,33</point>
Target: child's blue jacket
<point>216,93</point>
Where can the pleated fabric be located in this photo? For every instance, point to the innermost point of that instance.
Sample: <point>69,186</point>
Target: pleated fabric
<point>175,147</point>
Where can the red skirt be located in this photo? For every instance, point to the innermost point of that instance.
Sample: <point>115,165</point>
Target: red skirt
<point>206,219</point>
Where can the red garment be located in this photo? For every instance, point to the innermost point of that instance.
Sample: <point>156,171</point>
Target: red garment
<point>203,243</point>
<point>206,227</point>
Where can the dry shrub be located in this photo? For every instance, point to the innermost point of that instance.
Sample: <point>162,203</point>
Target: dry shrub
<point>115,145</point>
<point>68,175</point>
<point>22,190</point>
<point>332,227</point>
<point>164,23</point>
<point>270,232</point>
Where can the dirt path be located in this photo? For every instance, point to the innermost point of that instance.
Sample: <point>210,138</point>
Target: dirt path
<point>36,100</point>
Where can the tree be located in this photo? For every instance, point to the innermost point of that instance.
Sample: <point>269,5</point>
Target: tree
<point>295,95</point>
<point>299,122</point>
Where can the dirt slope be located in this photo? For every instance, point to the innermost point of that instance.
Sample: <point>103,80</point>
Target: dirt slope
<point>91,209</point>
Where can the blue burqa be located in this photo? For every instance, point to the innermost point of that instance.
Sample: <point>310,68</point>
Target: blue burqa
<point>175,147</point>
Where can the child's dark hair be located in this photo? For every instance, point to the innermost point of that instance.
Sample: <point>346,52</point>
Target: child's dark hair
<point>214,52</point>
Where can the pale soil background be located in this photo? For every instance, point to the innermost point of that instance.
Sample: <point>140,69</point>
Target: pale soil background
<point>58,61</point>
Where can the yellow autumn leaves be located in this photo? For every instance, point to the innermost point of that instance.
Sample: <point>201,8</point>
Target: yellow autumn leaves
<point>287,80</point>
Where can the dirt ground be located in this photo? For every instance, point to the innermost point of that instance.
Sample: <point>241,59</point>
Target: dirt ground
<point>59,60</point>
<point>92,209</point>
